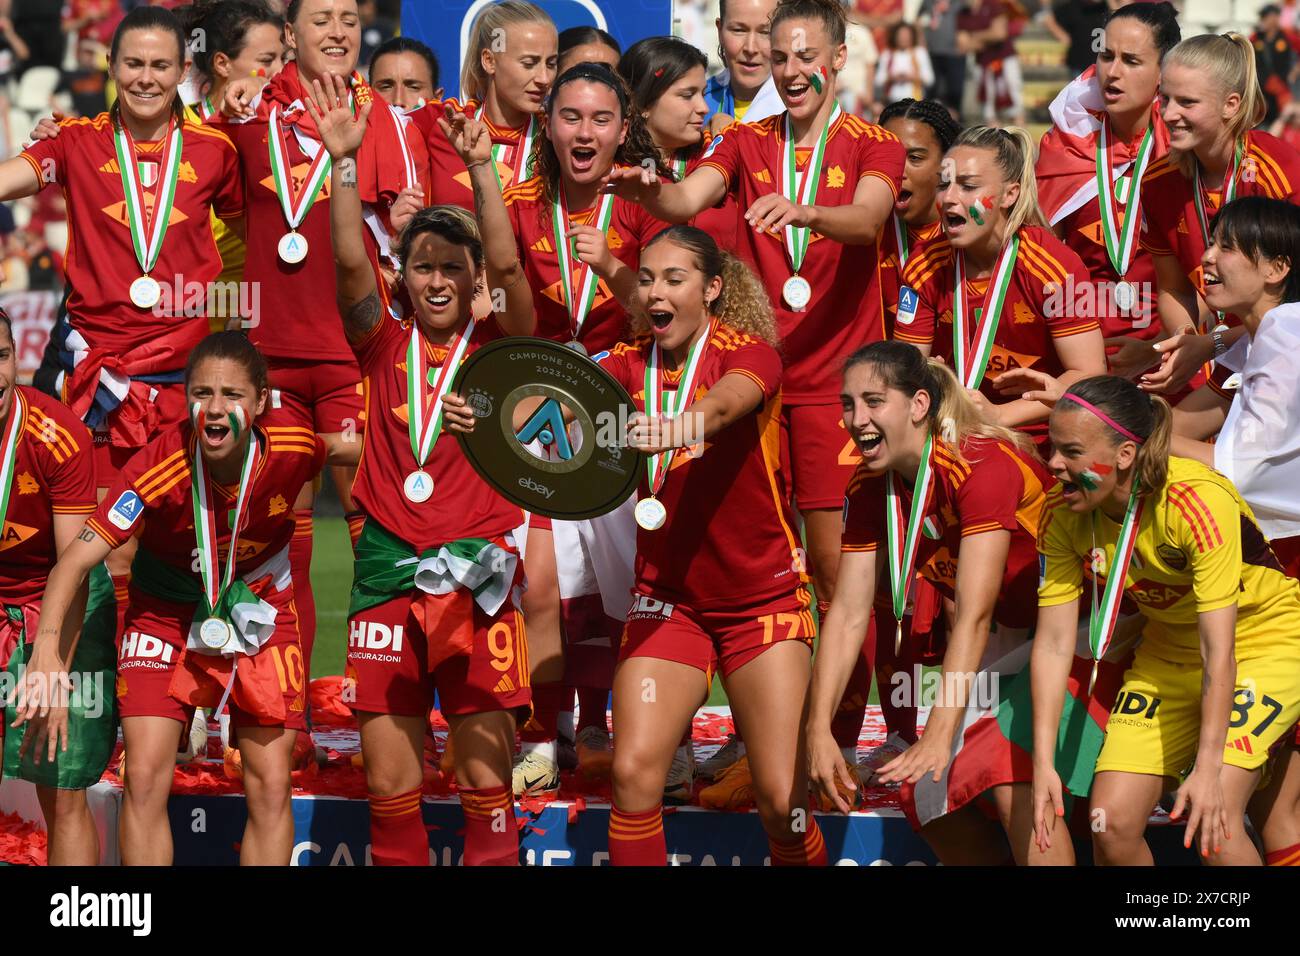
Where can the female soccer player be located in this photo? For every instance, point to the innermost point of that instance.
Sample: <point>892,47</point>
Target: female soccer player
<point>817,186</point>
<point>926,492</point>
<point>240,38</point>
<point>404,73</point>
<point>587,45</point>
<point>1216,680</point>
<point>745,91</point>
<point>1109,119</point>
<point>436,583</point>
<point>1022,297</point>
<point>47,486</point>
<point>1250,270</point>
<point>716,568</point>
<point>508,72</point>
<point>1212,102</point>
<point>211,615</point>
<point>314,377</point>
<point>927,130</point>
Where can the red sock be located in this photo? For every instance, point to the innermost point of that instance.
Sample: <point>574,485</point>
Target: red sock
<point>300,568</point>
<point>356,521</point>
<point>548,701</point>
<point>397,834</point>
<point>1287,856</point>
<point>121,588</point>
<point>591,707</point>
<point>810,851</point>
<point>491,834</point>
<point>637,839</point>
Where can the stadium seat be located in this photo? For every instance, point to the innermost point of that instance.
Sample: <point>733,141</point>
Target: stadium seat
<point>35,89</point>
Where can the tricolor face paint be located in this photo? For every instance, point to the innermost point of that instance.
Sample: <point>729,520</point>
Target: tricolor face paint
<point>975,214</point>
<point>818,79</point>
<point>1089,479</point>
<point>238,422</point>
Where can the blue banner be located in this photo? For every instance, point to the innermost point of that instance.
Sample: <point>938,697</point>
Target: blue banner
<point>445,24</point>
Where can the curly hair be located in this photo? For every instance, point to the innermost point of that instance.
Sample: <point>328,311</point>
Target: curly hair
<point>634,150</point>
<point>743,305</point>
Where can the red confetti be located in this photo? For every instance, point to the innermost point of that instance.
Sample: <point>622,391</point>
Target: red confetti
<point>576,807</point>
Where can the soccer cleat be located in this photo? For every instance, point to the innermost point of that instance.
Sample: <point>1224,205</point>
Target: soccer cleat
<point>681,777</point>
<point>851,797</point>
<point>196,742</point>
<point>722,758</point>
<point>232,764</point>
<point>535,775</point>
<point>733,790</point>
<point>877,758</point>
<point>595,756</point>
<point>447,762</point>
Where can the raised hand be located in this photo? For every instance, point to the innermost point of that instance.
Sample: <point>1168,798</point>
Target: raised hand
<point>328,106</point>
<point>468,137</point>
<point>238,101</point>
<point>633,183</point>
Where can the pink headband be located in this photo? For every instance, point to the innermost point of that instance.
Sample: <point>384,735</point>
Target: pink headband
<point>1103,416</point>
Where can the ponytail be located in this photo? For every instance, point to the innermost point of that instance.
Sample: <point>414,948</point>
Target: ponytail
<point>744,304</point>
<point>1231,58</point>
<point>952,416</point>
<point>1014,151</point>
<point>1146,420</point>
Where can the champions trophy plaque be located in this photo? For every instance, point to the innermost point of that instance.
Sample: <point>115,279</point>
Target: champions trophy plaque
<point>551,430</point>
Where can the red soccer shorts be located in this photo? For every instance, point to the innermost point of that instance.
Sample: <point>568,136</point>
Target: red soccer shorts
<point>388,655</point>
<point>111,459</point>
<point>817,455</point>
<point>322,396</point>
<point>728,638</point>
<point>149,651</point>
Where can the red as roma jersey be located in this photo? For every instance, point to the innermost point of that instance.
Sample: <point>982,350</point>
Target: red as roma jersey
<point>846,310</point>
<point>630,228</point>
<point>295,303</point>
<point>463,504</point>
<point>967,498</point>
<point>54,473</point>
<point>1269,167</point>
<point>730,536</point>
<point>449,182</point>
<point>1049,290</point>
<point>151,497</point>
<point>891,264</point>
<point>101,263</point>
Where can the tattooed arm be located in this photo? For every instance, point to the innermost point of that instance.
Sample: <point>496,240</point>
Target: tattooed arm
<point>358,291</point>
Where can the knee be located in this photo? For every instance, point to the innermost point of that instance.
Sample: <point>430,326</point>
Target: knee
<point>636,785</point>
<point>266,786</point>
<point>779,812</point>
<point>148,780</point>
<point>62,806</point>
<point>1114,830</point>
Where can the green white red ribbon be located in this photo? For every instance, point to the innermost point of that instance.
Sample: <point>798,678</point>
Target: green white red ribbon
<point>424,431</point>
<point>579,281</point>
<point>1120,230</point>
<point>802,191</point>
<point>148,230</point>
<point>656,404</point>
<point>903,538</point>
<point>971,358</point>
<point>1104,614</point>
<point>17,415</point>
<point>296,205</point>
<point>523,165</point>
<point>205,514</point>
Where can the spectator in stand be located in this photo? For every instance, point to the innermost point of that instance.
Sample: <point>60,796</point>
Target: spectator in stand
<point>1275,61</point>
<point>376,28</point>
<point>83,17</point>
<point>1287,126</point>
<point>939,20</point>
<point>88,83</point>
<point>988,28</point>
<point>904,71</point>
<point>1079,26</point>
<point>856,83</point>
<point>44,270</point>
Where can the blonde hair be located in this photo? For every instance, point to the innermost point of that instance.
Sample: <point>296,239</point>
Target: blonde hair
<point>953,416</point>
<point>1230,59</point>
<point>1013,149</point>
<point>488,25</point>
<point>744,304</point>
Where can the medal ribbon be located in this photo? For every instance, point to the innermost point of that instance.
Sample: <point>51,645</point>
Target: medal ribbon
<point>900,236</point>
<point>679,164</point>
<point>523,165</point>
<point>1120,230</point>
<point>295,206</point>
<point>17,415</point>
<point>802,191</point>
<point>424,432</point>
<point>972,359</point>
<point>205,516</point>
<point>658,465</point>
<point>147,230</point>
<point>1229,194</point>
<point>903,540</point>
<point>1101,620</point>
<point>586,279</point>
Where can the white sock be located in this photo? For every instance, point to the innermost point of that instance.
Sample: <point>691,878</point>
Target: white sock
<point>565,724</point>
<point>545,748</point>
<point>850,755</point>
